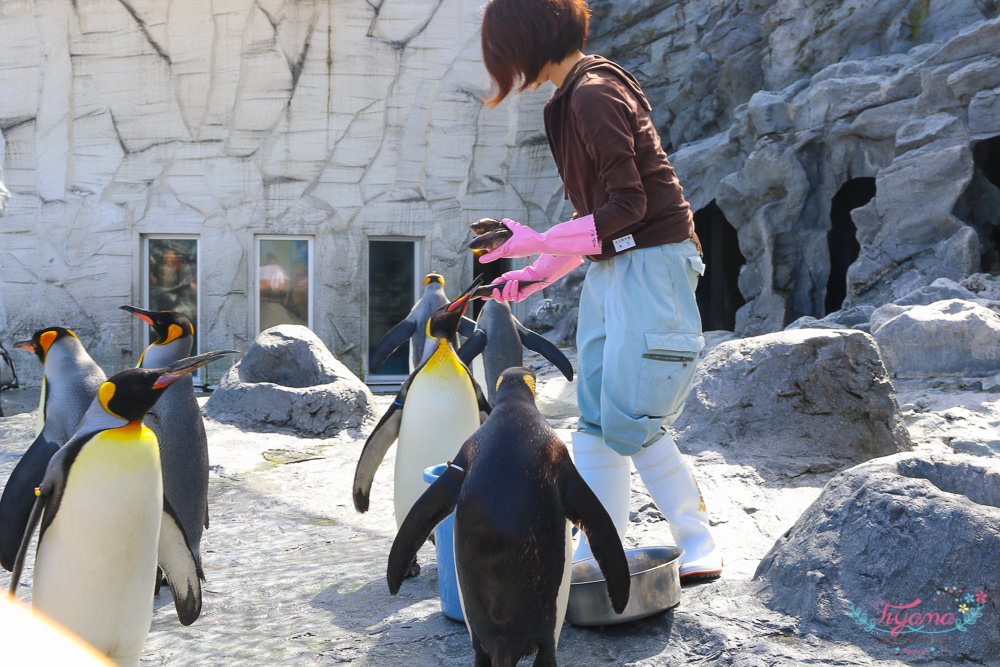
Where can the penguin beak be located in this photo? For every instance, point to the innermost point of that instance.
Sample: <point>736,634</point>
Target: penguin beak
<point>182,367</point>
<point>25,345</point>
<point>145,315</point>
<point>470,293</point>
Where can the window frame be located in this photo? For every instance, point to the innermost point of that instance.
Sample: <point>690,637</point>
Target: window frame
<point>386,380</point>
<point>146,292</point>
<point>255,274</point>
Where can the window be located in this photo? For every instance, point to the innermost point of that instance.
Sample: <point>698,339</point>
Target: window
<point>284,281</point>
<point>392,291</point>
<point>171,265</point>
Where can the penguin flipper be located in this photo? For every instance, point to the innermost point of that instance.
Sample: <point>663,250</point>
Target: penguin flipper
<point>19,497</point>
<point>543,346</point>
<point>377,444</point>
<point>37,508</point>
<point>181,568</point>
<point>473,346</point>
<point>466,327</point>
<point>431,508</point>
<point>390,342</point>
<point>586,511</point>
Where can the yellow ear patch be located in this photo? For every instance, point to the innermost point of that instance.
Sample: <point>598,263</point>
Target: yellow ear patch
<point>530,381</point>
<point>499,380</point>
<point>46,340</point>
<point>174,332</point>
<point>105,394</point>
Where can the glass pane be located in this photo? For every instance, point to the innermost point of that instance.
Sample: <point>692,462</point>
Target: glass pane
<point>390,297</point>
<point>283,282</point>
<point>173,278</point>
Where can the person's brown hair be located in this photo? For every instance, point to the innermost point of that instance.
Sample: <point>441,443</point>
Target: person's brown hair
<point>521,36</point>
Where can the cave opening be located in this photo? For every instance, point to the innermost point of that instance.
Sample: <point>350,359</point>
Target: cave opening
<point>979,205</point>
<point>842,240</point>
<point>718,290</point>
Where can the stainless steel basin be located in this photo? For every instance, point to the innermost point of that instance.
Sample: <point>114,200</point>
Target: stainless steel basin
<point>655,586</point>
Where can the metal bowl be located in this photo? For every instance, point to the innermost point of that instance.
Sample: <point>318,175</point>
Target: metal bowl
<point>655,586</point>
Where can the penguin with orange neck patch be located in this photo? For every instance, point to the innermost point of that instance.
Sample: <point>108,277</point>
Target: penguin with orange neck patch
<point>176,421</point>
<point>69,384</point>
<point>100,505</point>
<point>516,496</point>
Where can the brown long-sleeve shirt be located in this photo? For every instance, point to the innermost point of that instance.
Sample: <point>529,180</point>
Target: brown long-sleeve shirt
<point>611,162</point>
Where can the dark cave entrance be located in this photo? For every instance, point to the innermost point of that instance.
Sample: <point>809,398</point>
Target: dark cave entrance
<point>841,240</point>
<point>718,290</point>
<point>979,205</point>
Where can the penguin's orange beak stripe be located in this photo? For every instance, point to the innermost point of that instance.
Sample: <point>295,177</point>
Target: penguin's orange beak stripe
<point>460,302</point>
<point>167,380</point>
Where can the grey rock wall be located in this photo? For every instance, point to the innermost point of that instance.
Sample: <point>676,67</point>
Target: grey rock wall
<point>339,120</point>
<point>769,108</point>
<point>347,120</point>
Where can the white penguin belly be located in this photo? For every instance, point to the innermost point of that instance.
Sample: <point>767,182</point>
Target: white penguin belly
<point>441,412</point>
<point>96,563</point>
<point>562,599</point>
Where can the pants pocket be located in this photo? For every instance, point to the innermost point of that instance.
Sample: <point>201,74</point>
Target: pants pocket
<point>666,372</point>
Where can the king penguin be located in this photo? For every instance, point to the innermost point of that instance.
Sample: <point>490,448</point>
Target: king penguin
<point>436,409</point>
<point>176,421</point>
<point>414,327</point>
<point>70,379</point>
<point>516,495</point>
<point>500,337</point>
<point>100,504</point>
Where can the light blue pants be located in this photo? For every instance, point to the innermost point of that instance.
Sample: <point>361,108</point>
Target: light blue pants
<point>638,338</point>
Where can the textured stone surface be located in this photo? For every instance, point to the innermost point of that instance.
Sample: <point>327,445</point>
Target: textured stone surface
<point>794,402</point>
<point>349,119</point>
<point>289,380</point>
<point>900,530</point>
<point>292,356</point>
<point>906,118</point>
<point>948,337</point>
<point>338,120</point>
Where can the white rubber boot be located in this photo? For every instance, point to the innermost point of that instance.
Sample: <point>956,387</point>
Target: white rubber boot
<point>675,491</point>
<point>606,472</point>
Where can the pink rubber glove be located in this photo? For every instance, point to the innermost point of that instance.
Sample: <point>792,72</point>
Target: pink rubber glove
<point>574,237</point>
<point>547,268</point>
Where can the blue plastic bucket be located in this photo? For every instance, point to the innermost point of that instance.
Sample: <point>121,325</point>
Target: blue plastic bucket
<point>444,544</point>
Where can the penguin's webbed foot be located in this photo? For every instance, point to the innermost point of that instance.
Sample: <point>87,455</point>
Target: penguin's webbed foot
<point>413,571</point>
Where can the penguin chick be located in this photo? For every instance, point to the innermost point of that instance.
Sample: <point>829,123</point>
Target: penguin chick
<point>70,379</point>
<point>99,505</point>
<point>516,495</point>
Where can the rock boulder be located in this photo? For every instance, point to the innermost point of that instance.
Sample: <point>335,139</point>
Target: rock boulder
<point>794,402</point>
<point>903,550</point>
<point>953,337</point>
<point>288,379</point>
